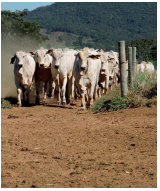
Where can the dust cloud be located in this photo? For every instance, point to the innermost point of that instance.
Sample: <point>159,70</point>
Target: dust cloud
<point>8,87</point>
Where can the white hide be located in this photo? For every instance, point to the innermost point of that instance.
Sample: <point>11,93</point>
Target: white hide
<point>62,72</point>
<point>24,69</point>
<point>86,72</point>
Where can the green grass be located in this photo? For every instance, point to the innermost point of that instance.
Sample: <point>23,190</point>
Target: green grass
<point>142,93</point>
<point>8,102</point>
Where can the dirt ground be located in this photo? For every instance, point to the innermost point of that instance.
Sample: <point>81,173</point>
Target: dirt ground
<point>62,147</point>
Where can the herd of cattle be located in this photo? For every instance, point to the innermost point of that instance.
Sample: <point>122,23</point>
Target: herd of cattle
<point>87,72</point>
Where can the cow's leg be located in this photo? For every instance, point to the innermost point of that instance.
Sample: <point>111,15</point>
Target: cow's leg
<point>72,87</point>
<point>50,89</point>
<point>19,91</point>
<point>58,91</point>
<point>99,92</point>
<point>90,99</point>
<point>27,95</point>
<point>23,93</point>
<point>64,82</point>
<point>95,96</point>
<point>106,84</point>
<point>70,84</point>
<point>45,93</point>
<point>83,103</point>
<point>37,92</point>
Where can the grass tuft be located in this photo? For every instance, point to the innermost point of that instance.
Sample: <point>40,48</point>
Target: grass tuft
<point>7,102</point>
<point>142,93</point>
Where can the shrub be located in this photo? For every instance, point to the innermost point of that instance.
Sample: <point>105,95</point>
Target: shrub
<point>142,93</point>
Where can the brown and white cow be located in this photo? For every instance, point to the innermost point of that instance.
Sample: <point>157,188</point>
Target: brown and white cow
<point>43,73</point>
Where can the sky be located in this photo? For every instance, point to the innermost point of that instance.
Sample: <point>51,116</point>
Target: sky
<point>13,6</point>
<point>19,5</point>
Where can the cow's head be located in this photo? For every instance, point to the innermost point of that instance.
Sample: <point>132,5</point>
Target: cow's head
<point>104,64</point>
<point>41,58</point>
<point>56,55</point>
<point>83,60</point>
<point>111,66</point>
<point>18,59</point>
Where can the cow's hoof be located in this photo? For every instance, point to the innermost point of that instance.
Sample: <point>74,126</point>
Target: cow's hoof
<point>44,102</point>
<point>63,103</point>
<point>49,95</point>
<point>68,102</point>
<point>82,109</point>
<point>58,103</point>
<point>19,105</point>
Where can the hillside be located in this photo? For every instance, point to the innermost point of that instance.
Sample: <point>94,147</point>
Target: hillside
<point>99,24</point>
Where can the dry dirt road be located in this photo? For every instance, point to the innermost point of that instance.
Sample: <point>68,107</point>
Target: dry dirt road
<point>61,147</point>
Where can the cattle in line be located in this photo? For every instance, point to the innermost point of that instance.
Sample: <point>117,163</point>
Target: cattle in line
<point>86,72</point>
<point>62,73</point>
<point>149,67</point>
<point>43,73</point>
<point>24,70</point>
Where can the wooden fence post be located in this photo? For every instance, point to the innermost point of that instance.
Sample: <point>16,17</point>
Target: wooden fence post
<point>123,72</point>
<point>134,61</point>
<point>130,67</point>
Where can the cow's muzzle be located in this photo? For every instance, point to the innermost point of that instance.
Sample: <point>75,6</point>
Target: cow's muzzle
<point>20,65</point>
<point>56,66</point>
<point>83,68</point>
<point>110,77</point>
<point>102,70</point>
<point>41,65</point>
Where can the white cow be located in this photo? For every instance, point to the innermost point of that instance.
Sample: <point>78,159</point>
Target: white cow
<point>115,55</point>
<point>24,69</point>
<point>86,72</point>
<point>149,67</point>
<point>43,73</point>
<point>104,75</point>
<point>113,72</point>
<point>141,67</point>
<point>62,72</point>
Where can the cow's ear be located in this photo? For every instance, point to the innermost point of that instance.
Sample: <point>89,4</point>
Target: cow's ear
<point>94,56</point>
<point>77,55</point>
<point>49,51</point>
<point>99,50</point>
<point>32,53</point>
<point>111,59</point>
<point>12,60</point>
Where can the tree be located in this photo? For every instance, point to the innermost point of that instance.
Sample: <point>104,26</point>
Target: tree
<point>153,53</point>
<point>143,47</point>
<point>17,32</point>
